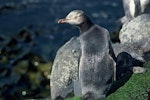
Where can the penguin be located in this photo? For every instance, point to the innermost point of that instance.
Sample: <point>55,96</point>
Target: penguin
<point>133,8</point>
<point>97,60</point>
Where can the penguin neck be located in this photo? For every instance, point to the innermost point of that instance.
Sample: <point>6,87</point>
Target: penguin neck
<point>86,25</point>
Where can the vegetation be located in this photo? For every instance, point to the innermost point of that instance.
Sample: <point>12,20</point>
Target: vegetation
<point>136,88</point>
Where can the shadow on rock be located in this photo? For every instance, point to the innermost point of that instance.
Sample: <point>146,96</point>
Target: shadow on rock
<point>124,69</point>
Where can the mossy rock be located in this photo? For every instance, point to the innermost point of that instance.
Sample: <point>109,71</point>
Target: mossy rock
<point>136,88</point>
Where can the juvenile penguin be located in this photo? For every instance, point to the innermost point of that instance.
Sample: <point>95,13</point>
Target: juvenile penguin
<point>133,8</point>
<point>96,67</point>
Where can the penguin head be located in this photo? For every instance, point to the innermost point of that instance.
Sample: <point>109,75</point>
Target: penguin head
<point>75,17</point>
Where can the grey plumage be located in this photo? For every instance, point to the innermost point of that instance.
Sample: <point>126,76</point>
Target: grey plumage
<point>96,70</point>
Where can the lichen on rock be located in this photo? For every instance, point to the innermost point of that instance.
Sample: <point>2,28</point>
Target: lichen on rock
<point>136,30</point>
<point>65,68</point>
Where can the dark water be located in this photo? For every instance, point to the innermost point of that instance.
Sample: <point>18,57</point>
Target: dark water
<point>41,16</point>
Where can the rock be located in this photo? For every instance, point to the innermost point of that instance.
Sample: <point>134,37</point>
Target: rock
<point>136,30</point>
<point>127,60</point>
<point>65,69</point>
<point>135,53</point>
<point>139,70</point>
<point>136,34</point>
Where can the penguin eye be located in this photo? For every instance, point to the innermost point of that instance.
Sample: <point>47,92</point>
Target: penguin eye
<point>79,15</point>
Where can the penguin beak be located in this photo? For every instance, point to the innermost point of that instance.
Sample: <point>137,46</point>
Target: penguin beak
<point>60,21</point>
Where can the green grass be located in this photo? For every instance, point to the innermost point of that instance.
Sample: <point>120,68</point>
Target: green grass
<point>136,88</point>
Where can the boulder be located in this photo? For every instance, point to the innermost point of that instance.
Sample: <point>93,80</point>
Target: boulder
<point>118,48</point>
<point>135,31</point>
<point>65,69</point>
<point>136,34</point>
